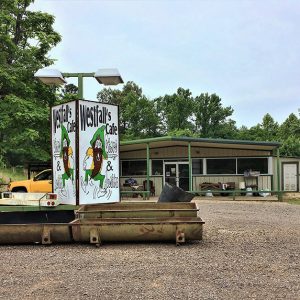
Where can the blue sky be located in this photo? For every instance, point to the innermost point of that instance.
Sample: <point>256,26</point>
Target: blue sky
<point>247,52</point>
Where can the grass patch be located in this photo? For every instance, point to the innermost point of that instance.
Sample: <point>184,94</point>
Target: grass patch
<point>12,173</point>
<point>294,201</point>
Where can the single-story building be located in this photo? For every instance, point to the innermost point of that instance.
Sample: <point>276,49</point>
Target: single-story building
<point>197,163</point>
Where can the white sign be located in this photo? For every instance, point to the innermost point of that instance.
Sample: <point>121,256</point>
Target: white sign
<point>98,162</point>
<point>64,152</point>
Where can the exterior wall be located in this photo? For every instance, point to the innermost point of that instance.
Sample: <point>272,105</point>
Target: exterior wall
<point>181,153</point>
<point>264,181</point>
<point>197,152</point>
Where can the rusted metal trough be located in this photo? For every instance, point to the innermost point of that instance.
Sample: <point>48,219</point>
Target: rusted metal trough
<point>119,222</point>
<point>138,222</point>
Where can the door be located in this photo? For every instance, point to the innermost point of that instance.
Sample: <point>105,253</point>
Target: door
<point>42,183</point>
<point>177,173</point>
<point>290,177</point>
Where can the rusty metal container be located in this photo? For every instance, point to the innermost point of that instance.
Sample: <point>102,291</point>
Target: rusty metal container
<point>119,222</point>
<point>137,210</point>
<point>35,233</point>
<point>96,231</point>
<point>137,222</point>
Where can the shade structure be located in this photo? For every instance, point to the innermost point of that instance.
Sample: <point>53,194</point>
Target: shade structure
<point>50,76</point>
<point>108,76</point>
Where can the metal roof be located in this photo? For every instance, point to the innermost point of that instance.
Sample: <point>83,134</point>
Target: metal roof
<point>168,141</point>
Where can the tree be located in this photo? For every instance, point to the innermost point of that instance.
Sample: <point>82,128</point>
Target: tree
<point>212,118</point>
<point>291,126</point>
<point>68,93</point>
<point>269,128</point>
<point>290,146</point>
<point>176,110</point>
<point>289,135</point>
<point>25,39</point>
<point>138,116</point>
<point>265,131</point>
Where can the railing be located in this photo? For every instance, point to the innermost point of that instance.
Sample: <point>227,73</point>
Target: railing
<point>234,193</point>
<point>145,194</point>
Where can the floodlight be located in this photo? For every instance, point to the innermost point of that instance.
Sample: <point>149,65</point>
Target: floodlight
<point>108,76</point>
<point>50,76</point>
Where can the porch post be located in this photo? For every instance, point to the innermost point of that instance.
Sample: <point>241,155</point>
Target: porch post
<point>190,168</point>
<point>278,177</point>
<point>148,169</point>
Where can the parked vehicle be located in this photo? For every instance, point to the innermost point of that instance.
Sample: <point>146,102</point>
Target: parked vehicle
<point>41,183</point>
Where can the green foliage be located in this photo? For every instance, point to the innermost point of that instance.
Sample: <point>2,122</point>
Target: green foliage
<point>294,201</point>
<point>212,118</point>
<point>290,146</point>
<point>266,131</point>
<point>290,127</point>
<point>182,132</point>
<point>289,135</point>
<point>176,110</point>
<point>68,93</point>
<point>24,129</point>
<point>25,39</point>
<point>138,114</point>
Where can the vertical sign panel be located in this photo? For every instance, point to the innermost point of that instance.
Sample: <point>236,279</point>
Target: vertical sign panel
<point>98,153</point>
<point>64,151</point>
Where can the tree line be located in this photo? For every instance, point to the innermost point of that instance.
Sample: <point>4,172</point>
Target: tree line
<point>26,37</point>
<point>204,116</point>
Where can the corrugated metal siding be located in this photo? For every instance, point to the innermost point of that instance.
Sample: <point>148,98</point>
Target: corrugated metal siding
<point>182,152</point>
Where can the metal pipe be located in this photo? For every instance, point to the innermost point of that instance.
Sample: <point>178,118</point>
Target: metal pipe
<point>148,169</point>
<point>190,168</point>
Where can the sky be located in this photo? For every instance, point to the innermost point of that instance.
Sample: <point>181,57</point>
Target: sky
<point>247,52</point>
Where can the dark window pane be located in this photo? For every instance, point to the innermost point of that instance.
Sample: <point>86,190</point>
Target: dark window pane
<point>254,164</point>
<point>197,166</point>
<point>134,167</point>
<point>47,175</point>
<point>221,166</point>
<point>157,167</point>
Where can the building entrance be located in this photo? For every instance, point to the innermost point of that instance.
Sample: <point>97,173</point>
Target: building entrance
<point>177,173</point>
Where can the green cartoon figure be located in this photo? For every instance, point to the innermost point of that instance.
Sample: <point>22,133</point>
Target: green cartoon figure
<point>93,160</point>
<point>67,156</point>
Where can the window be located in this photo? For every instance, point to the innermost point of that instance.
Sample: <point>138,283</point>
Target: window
<point>157,167</point>
<point>134,167</point>
<point>254,164</point>
<point>197,165</point>
<point>221,166</point>
<point>45,175</point>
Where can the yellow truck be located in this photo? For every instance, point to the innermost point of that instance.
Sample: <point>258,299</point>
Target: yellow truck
<point>41,183</point>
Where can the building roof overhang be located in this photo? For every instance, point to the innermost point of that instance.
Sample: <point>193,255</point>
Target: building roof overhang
<point>168,141</point>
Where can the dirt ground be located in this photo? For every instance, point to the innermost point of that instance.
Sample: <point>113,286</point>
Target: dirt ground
<point>250,250</point>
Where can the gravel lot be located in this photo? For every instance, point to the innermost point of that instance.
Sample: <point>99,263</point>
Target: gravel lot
<point>250,250</point>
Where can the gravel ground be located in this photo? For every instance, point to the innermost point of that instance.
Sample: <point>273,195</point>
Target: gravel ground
<point>250,250</point>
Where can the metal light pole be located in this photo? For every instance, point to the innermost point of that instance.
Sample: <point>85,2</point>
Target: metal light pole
<point>55,77</point>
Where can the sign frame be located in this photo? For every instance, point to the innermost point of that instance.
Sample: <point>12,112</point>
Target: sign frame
<point>101,128</point>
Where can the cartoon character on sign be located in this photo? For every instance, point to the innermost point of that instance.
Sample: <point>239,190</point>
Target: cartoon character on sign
<point>67,156</point>
<point>93,161</point>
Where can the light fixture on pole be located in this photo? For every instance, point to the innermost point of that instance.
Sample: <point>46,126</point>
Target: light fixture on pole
<point>108,76</point>
<point>50,76</point>
<point>55,77</point>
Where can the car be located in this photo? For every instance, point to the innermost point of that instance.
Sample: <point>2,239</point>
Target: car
<point>41,183</point>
